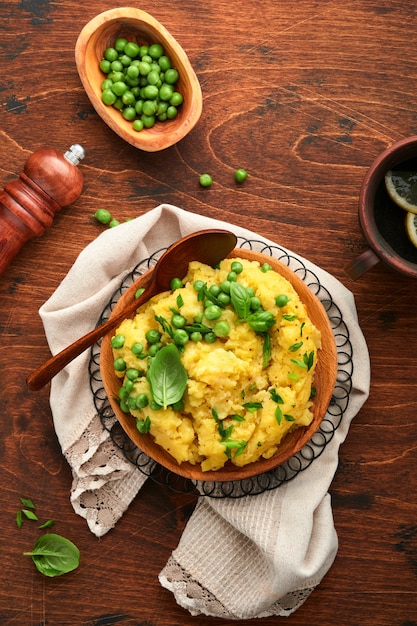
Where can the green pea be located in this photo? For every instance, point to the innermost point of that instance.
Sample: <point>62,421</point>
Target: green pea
<point>105,66</point>
<point>236,267</point>
<point>153,77</point>
<point>129,385</point>
<point>118,341</point>
<point>196,336</point>
<point>266,267</point>
<point>212,312</point>
<point>198,285</point>
<point>240,175</point>
<point>119,87</point>
<point>255,303</point>
<point>210,337</point>
<point>221,329</point>
<point>172,112</point>
<point>225,286</point>
<point>132,373</point>
<point>116,66</point>
<point>103,216</point>
<point>124,407</point>
<point>108,97</point>
<point>199,317</point>
<point>132,71</point>
<point>180,336</point>
<point>153,336</point>
<point>120,44</point>
<point>106,84</point>
<point>137,125</point>
<point>143,51</point>
<point>166,91</point>
<point>176,99</point>
<point>176,283</point>
<point>125,60</point>
<point>171,76</point>
<point>119,365</point>
<point>214,290</point>
<point>139,107</point>
<point>149,107</point>
<point>150,92</point>
<point>129,99</point>
<point>131,403</point>
<point>113,222</point>
<point>154,348</point>
<point>129,113</point>
<point>250,291</point>
<point>110,54</point>
<point>116,77</point>
<point>148,120</point>
<point>232,277</point>
<point>132,49</point>
<point>178,321</point>
<point>144,68</point>
<point>142,400</point>
<point>123,393</point>
<point>281,300</point>
<point>137,348</point>
<point>164,63</point>
<point>155,51</point>
<point>223,298</point>
<point>205,180</point>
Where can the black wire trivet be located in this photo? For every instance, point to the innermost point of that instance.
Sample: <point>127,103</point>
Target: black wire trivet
<point>288,470</point>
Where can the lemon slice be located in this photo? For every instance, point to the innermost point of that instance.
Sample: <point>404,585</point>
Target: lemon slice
<point>411,227</point>
<point>402,188</point>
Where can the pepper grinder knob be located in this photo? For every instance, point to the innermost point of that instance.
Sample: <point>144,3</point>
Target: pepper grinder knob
<point>49,181</point>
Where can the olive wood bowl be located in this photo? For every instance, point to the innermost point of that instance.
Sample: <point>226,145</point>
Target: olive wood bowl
<point>136,25</point>
<point>324,381</point>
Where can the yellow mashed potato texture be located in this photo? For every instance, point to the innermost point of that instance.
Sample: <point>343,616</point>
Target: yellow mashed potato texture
<point>235,407</point>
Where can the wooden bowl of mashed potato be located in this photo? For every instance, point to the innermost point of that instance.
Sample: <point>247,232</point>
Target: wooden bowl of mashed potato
<point>233,394</point>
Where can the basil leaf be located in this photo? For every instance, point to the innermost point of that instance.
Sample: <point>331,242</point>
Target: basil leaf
<point>240,299</point>
<point>54,555</point>
<point>261,321</point>
<point>167,376</point>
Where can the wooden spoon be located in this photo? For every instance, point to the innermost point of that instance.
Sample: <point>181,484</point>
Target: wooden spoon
<point>206,246</point>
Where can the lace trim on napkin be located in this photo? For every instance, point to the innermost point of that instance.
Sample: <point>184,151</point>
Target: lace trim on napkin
<point>104,481</point>
<point>191,595</point>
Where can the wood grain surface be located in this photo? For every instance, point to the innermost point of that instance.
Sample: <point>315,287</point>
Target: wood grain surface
<point>304,95</point>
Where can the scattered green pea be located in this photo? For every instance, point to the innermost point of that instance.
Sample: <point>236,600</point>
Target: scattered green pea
<point>103,216</point>
<point>212,312</point>
<point>142,401</point>
<point>236,267</point>
<point>205,180</point>
<point>240,175</point>
<point>137,348</point>
<point>113,222</point>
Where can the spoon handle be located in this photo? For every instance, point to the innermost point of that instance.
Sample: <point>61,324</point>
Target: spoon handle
<point>45,372</point>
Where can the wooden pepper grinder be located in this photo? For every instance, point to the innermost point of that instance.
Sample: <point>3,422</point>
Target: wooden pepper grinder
<point>49,181</point>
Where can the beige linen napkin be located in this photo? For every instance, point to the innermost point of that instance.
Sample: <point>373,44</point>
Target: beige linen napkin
<point>238,558</point>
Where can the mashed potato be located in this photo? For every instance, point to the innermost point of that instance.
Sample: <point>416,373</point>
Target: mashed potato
<point>248,376</point>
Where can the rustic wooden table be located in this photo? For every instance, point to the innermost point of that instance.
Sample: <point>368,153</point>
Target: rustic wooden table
<point>304,95</point>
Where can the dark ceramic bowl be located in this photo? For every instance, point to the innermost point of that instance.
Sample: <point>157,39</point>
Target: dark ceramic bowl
<point>381,220</point>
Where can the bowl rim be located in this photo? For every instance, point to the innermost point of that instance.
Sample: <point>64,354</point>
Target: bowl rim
<point>147,139</point>
<point>301,435</point>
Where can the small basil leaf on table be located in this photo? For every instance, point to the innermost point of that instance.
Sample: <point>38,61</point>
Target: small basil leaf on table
<point>167,376</point>
<point>54,555</point>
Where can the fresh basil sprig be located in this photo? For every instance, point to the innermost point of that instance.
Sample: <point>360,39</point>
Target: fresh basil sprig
<point>54,555</point>
<point>167,376</point>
